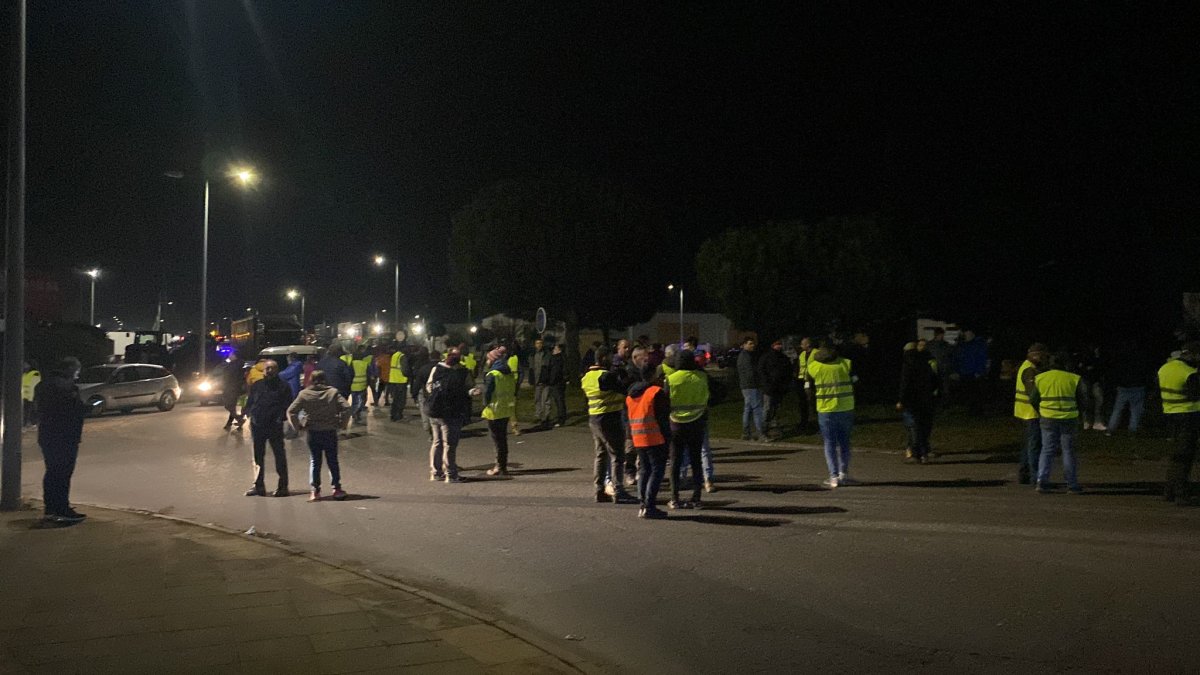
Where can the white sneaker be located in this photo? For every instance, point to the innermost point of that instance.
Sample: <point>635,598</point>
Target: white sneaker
<point>610,490</point>
<point>1099,426</point>
<point>831,482</point>
<point>845,479</point>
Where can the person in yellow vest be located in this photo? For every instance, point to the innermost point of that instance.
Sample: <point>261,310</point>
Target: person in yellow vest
<point>808,408</point>
<point>687,387</point>
<point>29,382</point>
<point>606,402</point>
<point>468,360</point>
<point>398,370</point>
<point>1056,394</point>
<point>514,365</point>
<point>359,363</point>
<point>1023,410</point>
<point>499,404</point>
<point>648,418</point>
<point>1180,388</point>
<point>832,381</point>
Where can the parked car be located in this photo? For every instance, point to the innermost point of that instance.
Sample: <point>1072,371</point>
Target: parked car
<point>127,386</point>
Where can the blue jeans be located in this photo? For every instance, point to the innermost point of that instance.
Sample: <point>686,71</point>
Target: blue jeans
<point>752,408</point>
<point>1031,449</point>
<point>835,430</point>
<point>705,458</point>
<point>1058,434</point>
<point>358,401</point>
<point>323,444</point>
<point>652,466</point>
<point>1136,398</point>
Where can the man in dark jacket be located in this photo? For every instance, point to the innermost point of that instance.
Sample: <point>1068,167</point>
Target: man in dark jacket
<point>539,372</point>
<point>918,387</point>
<point>752,407</point>
<point>556,380</point>
<point>61,429</point>
<point>449,399</point>
<point>653,438</point>
<point>338,373</point>
<point>232,387</point>
<point>775,376</point>
<point>422,362</point>
<point>267,407</point>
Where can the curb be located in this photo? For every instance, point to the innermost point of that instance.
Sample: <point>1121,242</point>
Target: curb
<point>570,659</point>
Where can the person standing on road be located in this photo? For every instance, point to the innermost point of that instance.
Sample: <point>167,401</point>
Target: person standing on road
<point>267,407</point>
<point>337,373</point>
<point>688,395</point>
<point>30,379</point>
<point>648,418</point>
<point>499,404</point>
<point>448,395</point>
<point>59,433</point>
<point>556,380</point>
<point>606,401</point>
<point>918,387</point>
<point>292,374</point>
<point>629,374</point>
<point>1057,393</point>
<point>775,376</point>
<point>1180,386</point>
<point>808,408</point>
<point>1024,410</point>
<point>383,381</point>
<point>360,363</point>
<point>752,402</point>
<point>1129,375</point>
<point>422,363</point>
<point>832,380</point>
<point>539,372</point>
<point>399,368</point>
<point>943,354</point>
<point>325,411</point>
<point>233,386</point>
<point>973,365</point>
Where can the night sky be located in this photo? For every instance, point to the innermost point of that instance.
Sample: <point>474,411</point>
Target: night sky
<point>1038,154</point>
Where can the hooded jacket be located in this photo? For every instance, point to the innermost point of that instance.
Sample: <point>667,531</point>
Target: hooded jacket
<point>918,382</point>
<point>60,409</point>
<point>323,406</point>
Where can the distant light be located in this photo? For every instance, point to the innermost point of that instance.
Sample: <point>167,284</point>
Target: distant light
<point>417,328</point>
<point>170,302</point>
<point>93,273</point>
<point>377,328</point>
<point>244,175</point>
<point>670,287</point>
<point>293,294</point>
<point>379,260</point>
<point>383,311</point>
<point>249,309</point>
<point>417,316</point>
<point>474,329</point>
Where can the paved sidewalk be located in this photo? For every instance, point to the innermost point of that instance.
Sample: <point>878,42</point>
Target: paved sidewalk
<point>131,593</point>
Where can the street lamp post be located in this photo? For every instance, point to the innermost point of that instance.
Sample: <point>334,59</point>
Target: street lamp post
<point>292,295</point>
<point>671,287</point>
<point>379,261</point>
<point>93,274</point>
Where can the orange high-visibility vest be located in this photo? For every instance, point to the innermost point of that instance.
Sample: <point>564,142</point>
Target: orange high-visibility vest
<point>643,425</point>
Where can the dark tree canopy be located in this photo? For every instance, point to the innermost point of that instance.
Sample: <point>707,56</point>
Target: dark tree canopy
<point>560,242</point>
<point>784,277</point>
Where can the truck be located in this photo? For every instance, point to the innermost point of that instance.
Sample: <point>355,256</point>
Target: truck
<point>253,333</point>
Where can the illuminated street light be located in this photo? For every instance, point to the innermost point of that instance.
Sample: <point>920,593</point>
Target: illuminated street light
<point>671,287</point>
<point>377,329</point>
<point>94,274</point>
<point>474,329</point>
<point>380,260</point>
<point>292,294</point>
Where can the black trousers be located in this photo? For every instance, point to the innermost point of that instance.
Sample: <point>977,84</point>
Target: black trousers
<point>558,394</point>
<point>1187,431</point>
<point>399,394</point>
<point>261,435</point>
<point>56,483</point>
<point>808,407</point>
<point>687,438</point>
<point>498,430</point>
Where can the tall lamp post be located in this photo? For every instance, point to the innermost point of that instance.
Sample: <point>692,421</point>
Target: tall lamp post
<point>380,261</point>
<point>671,287</point>
<point>244,177</point>
<point>292,295</point>
<point>93,274</point>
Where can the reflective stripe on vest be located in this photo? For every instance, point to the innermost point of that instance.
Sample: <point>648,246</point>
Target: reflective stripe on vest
<point>833,386</point>
<point>397,369</point>
<point>600,402</point>
<point>360,367</point>
<point>1022,408</point>
<point>29,382</point>
<point>643,425</point>
<point>504,396</point>
<point>689,395</point>
<point>1056,395</point>
<point>1172,384</point>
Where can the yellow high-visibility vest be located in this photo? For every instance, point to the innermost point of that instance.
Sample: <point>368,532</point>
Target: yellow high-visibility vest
<point>600,402</point>
<point>1022,408</point>
<point>396,372</point>
<point>1056,395</point>
<point>1172,383</point>
<point>504,396</point>
<point>360,366</point>
<point>689,395</point>
<point>834,390</point>
<point>802,361</point>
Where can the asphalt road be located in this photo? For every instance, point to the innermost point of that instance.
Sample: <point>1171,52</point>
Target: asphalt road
<point>949,567</point>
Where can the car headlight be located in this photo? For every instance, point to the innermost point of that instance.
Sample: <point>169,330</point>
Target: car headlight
<point>205,386</point>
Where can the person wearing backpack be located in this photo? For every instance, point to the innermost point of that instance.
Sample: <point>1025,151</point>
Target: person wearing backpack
<point>448,396</point>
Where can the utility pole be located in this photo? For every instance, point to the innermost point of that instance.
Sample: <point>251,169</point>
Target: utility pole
<point>14,302</point>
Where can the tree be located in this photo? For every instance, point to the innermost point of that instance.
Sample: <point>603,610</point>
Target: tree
<point>783,277</point>
<point>557,242</point>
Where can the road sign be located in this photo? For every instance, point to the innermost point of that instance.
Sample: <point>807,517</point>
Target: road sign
<point>540,323</point>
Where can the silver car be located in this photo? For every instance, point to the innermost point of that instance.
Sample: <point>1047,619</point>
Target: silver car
<point>127,386</point>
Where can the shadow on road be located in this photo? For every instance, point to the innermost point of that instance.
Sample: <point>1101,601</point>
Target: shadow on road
<point>1005,458</point>
<point>745,460</point>
<point>37,524</point>
<point>784,510</point>
<point>355,498</point>
<point>542,472</point>
<point>765,452</point>
<point>957,483</point>
<point>775,488</point>
<point>731,520</point>
<point>1145,488</point>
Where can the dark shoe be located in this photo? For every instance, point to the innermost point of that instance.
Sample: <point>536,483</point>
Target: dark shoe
<point>655,514</point>
<point>1077,490</point>
<point>64,518</point>
<point>437,477</point>
<point>280,492</point>
<point>339,494</point>
<point>256,491</point>
<point>695,503</point>
<point>676,504</point>
<point>1023,477</point>
<point>601,497</point>
<point>453,479</point>
<point>623,497</point>
<point>1044,489</point>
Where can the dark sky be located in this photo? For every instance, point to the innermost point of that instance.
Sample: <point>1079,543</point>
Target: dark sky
<point>1013,147</point>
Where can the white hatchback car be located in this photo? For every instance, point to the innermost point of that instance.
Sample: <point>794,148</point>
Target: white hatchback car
<point>127,386</point>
